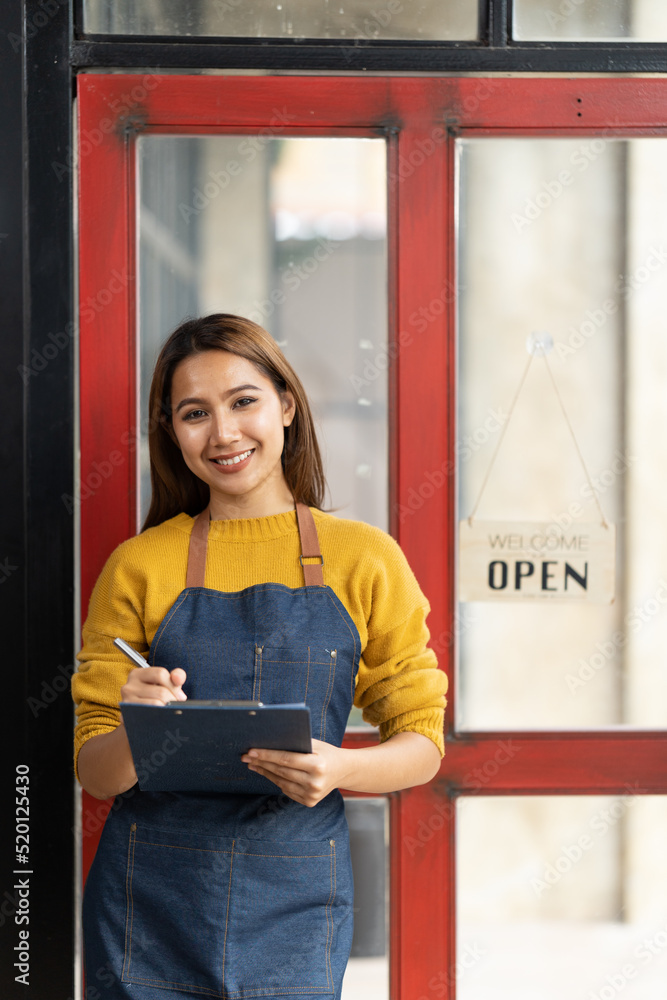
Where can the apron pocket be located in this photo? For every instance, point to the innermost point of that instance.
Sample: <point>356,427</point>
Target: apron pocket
<point>177,899</point>
<point>281,931</point>
<point>295,674</point>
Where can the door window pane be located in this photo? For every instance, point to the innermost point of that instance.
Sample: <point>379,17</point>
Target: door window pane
<point>566,236</point>
<point>292,234</point>
<point>367,974</point>
<point>590,20</point>
<point>421,20</point>
<point>567,898</point>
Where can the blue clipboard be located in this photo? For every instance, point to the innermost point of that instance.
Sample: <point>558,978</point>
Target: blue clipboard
<point>196,746</point>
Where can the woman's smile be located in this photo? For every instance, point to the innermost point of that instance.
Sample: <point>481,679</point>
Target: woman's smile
<point>233,463</point>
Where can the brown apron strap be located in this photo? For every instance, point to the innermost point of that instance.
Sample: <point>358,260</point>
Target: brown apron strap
<point>197,551</point>
<point>310,547</point>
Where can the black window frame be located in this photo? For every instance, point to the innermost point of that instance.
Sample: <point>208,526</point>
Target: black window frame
<point>495,51</point>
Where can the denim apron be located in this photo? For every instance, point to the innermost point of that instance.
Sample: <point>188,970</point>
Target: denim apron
<point>242,893</point>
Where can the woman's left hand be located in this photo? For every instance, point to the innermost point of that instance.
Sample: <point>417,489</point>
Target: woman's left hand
<point>304,777</point>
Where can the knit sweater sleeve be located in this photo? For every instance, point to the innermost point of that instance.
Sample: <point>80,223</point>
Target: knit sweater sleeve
<point>399,687</point>
<point>115,609</point>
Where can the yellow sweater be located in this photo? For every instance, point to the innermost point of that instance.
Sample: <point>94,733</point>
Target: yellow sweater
<point>399,686</point>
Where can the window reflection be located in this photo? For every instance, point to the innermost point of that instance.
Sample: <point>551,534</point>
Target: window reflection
<point>292,233</point>
<point>592,20</point>
<point>563,235</point>
<point>567,899</point>
<point>335,19</point>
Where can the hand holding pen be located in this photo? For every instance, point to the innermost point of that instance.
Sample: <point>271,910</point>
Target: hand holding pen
<point>150,685</point>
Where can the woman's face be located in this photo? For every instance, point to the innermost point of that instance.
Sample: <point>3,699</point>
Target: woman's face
<point>229,423</point>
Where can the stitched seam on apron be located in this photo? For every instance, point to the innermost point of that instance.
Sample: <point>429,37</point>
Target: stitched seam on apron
<point>164,625</point>
<point>289,857</point>
<point>305,693</point>
<point>332,896</point>
<point>127,958</point>
<point>261,991</point>
<point>319,663</point>
<point>257,680</point>
<point>229,893</point>
<point>353,640</point>
<point>168,982</point>
<point>330,687</point>
<point>178,847</point>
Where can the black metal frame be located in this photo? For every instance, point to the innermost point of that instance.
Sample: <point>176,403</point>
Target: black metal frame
<point>36,398</point>
<point>36,312</point>
<point>494,52</point>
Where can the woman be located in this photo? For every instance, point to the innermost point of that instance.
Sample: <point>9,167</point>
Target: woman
<point>231,894</point>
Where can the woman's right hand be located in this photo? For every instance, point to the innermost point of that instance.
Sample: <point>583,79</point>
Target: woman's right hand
<point>105,761</point>
<point>154,686</point>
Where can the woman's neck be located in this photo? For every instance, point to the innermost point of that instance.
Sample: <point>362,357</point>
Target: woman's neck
<point>226,507</point>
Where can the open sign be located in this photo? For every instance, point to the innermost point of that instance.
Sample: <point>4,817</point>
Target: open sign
<point>508,560</point>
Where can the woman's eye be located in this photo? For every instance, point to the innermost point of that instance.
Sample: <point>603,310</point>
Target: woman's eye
<point>194,414</point>
<point>244,401</point>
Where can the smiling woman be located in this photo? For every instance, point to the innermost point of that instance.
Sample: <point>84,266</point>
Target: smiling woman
<point>231,433</point>
<point>254,894</point>
<point>202,381</point>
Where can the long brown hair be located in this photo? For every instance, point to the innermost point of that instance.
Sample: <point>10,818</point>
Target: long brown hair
<point>174,487</point>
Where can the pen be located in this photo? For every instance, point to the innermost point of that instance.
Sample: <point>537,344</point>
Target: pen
<point>131,654</point>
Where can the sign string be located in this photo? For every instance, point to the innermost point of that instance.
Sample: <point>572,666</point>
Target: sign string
<point>538,349</point>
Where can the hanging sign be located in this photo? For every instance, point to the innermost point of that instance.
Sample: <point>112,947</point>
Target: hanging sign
<point>528,560</point>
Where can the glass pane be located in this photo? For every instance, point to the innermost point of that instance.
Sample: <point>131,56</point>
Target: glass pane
<point>367,975</point>
<point>565,236</point>
<point>423,20</point>
<point>291,233</point>
<point>567,899</point>
<point>590,20</point>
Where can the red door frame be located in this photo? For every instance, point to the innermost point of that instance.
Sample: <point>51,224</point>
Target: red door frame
<point>421,118</point>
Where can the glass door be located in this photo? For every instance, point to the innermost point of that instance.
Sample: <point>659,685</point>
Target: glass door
<point>440,222</point>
